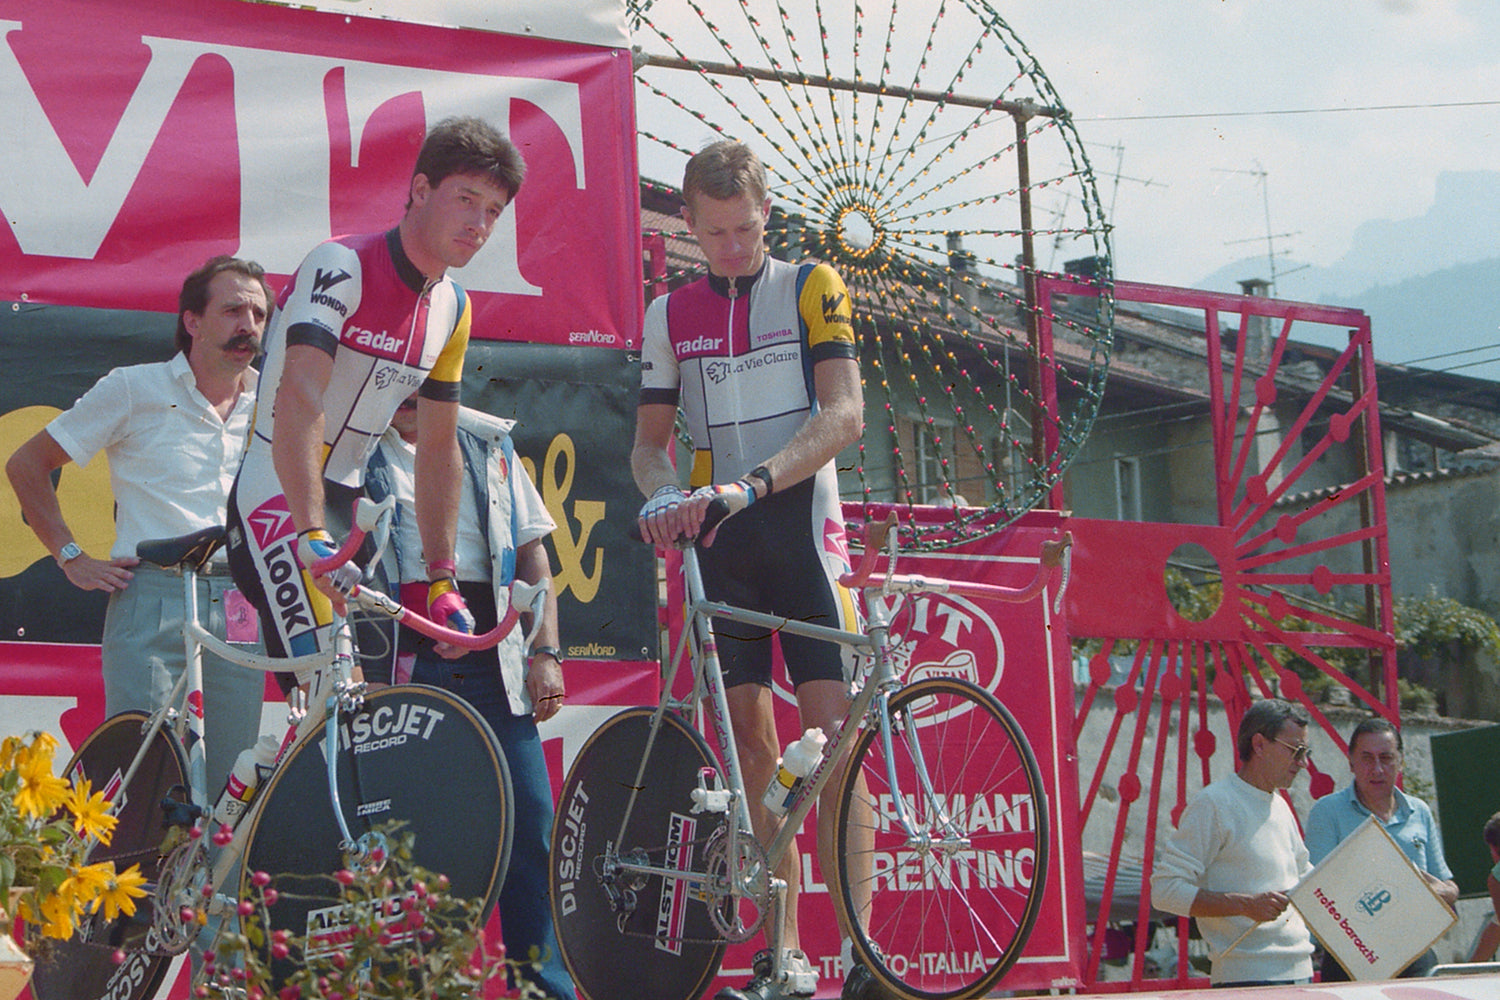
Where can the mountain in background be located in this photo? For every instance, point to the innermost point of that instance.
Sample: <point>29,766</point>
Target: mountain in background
<point>1431,285</point>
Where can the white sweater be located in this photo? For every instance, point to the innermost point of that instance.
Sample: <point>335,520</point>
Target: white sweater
<point>1236,838</point>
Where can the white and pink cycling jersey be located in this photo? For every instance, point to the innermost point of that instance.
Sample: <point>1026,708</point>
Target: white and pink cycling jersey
<point>390,331</point>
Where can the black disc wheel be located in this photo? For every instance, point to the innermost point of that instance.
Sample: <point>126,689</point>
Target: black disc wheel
<point>628,934</point>
<point>413,755</point>
<point>84,967</point>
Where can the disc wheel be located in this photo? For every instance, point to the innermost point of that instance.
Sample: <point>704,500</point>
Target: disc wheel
<point>629,934</point>
<point>920,149</point>
<point>84,967</point>
<point>413,755</point>
<point>943,909</point>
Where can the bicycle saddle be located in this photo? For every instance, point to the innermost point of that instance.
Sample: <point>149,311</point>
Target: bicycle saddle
<point>192,550</point>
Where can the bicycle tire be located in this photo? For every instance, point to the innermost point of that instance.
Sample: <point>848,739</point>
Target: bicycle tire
<point>83,967</point>
<point>391,754</point>
<point>643,956</point>
<point>944,926</point>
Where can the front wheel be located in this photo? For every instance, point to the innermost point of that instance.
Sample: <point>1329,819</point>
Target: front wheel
<point>943,909</point>
<point>627,934</point>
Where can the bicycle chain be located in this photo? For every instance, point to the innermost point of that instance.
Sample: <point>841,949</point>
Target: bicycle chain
<point>702,848</point>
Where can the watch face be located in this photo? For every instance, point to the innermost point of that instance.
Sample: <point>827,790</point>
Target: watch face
<point>70,552</point>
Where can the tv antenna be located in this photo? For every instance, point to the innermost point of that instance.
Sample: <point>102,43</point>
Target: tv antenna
<point>1059,214</point>
<point>1260,175</point>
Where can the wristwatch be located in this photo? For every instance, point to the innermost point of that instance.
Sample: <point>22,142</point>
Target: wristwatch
<point>551,651</point>
<point>68,553</point>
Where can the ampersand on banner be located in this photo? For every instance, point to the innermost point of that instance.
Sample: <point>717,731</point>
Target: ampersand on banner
<point>571,550</point>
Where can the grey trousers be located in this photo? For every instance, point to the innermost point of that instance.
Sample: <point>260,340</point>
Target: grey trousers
<point>143,656</point>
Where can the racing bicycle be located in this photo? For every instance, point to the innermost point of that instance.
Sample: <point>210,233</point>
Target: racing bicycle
<point>351,762</point>
<point>941,828</point>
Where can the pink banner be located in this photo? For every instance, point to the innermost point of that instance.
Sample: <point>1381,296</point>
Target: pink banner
<point>143,138</point>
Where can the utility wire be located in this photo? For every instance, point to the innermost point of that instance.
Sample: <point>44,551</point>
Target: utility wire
<point>1289,111</point>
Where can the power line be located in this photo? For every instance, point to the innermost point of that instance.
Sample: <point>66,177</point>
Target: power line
<point>1290,111</point>
<point>1448,354</point>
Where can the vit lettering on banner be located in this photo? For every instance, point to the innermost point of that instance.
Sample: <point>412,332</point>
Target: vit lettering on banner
<point>1370,906</point>
<point>142,139</point>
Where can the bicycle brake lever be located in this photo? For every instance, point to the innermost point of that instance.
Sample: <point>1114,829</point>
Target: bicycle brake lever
<point>1066,561</point>
<point>367,513</point>
<point>530,597</point>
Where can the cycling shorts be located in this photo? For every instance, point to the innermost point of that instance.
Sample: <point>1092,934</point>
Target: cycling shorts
<point>783,555</point>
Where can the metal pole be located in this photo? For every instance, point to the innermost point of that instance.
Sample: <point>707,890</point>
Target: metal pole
<point>1027,108</point>
<point>1028,283</point>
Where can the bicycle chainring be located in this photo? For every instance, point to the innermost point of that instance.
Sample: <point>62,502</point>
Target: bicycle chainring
<point>748,869</point>
<point>179,885</point>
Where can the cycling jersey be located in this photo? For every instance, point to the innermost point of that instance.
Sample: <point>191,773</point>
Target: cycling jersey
<point>390,332</point>
<point>737,355</point>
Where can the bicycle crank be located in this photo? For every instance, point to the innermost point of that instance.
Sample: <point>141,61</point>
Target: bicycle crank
<point>738,891</point>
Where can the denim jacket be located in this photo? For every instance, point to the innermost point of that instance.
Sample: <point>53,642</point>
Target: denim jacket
<point>489,460</point>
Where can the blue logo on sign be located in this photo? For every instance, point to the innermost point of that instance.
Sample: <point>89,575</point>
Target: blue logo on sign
<point>1372,900</point>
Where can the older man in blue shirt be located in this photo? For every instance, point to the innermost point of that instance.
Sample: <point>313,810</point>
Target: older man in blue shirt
<point>1375,750</point>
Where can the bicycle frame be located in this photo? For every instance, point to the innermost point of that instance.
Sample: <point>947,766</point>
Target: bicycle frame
<point>709,695</point>
<point>873,687</point>
<point>333,691</point>
<point>188,726</point>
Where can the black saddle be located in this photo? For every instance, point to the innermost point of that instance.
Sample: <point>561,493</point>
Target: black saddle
<point>192,550</point>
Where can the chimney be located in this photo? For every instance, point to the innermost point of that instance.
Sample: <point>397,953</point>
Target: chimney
<point>961,265</point>
<point>1257,331</point>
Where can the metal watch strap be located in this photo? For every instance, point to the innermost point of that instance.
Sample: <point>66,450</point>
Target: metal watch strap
<point>551,651</point>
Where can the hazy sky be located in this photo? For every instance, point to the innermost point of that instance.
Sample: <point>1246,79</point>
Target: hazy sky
<point>1171,92</point>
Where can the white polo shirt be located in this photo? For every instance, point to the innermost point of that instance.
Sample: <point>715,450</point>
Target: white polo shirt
<point>171,458</point>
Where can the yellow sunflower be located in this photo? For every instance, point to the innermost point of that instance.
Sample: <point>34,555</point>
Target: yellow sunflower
<point>121,892</point>
<point>90,809</point>
<point>90,882</point>
<point>41,791</point>
<point>58,915</point>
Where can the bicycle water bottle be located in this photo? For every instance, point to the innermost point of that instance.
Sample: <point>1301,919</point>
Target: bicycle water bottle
<point>250,768</point>
<point>794,766</point>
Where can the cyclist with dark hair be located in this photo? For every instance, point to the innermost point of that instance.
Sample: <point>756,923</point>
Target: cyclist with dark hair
<point>365,322</point>
<point>173,432</point>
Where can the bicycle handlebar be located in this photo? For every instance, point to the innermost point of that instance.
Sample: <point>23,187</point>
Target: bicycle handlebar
<point>876,533</point>
<point>367,515</point>
<point>523,597</point>
<point>717,511</point>
<point>1053,555</point>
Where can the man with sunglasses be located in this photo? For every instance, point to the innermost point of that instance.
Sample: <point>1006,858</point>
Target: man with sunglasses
<point>1375,750</point>
<point>1237,852</point>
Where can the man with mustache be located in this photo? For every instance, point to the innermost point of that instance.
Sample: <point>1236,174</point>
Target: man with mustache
<point>173,432</point>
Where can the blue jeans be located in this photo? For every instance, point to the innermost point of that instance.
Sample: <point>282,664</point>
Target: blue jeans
<point>525,907</point>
